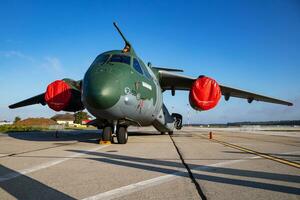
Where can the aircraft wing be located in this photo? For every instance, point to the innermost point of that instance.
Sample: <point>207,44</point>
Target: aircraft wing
<point>174,81</point>
<point>30,101</point>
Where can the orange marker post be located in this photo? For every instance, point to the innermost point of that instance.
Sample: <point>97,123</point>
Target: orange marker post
<point>210,135</point>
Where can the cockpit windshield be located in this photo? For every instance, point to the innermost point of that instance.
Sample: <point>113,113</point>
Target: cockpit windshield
<point>120,59</point>
<point>101,59</point>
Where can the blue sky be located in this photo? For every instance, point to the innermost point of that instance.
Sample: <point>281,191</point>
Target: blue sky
<point>252,45</point>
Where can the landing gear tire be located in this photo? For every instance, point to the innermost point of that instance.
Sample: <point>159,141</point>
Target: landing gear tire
<point>122,135</point>
<point>170,132</point>
<point>162,133</point>
<point>107,133</point>
<point>178,120</point>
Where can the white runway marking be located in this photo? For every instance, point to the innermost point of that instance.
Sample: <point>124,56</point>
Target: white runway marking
<point>18,173</point>
<point>125,190</point>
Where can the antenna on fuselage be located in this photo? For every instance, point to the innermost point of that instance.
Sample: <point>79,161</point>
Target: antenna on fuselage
<point>128,47</point>
<point>125,40</point>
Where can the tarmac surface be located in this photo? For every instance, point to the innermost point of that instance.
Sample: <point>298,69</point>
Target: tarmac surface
<point>187,165</point>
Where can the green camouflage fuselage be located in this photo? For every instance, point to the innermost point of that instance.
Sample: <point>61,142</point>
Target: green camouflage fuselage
<point>117,91</point>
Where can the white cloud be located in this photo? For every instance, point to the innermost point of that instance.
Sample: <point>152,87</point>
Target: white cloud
<point>53,64</point>
<point>16,54</point>
<point>50,63</point>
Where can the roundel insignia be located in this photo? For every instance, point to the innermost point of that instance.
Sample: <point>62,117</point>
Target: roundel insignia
<point>127,90</point>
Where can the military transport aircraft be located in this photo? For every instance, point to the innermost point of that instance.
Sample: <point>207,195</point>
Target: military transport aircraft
<point>120,90</point>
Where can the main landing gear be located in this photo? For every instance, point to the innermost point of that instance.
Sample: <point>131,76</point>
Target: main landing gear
<point>121,133</point>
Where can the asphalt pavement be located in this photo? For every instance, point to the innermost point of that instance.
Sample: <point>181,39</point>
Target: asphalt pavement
<point>187,165</point>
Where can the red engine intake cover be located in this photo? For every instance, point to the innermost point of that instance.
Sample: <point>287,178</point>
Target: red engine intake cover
<point>205,93</point>
<point>58,95</point>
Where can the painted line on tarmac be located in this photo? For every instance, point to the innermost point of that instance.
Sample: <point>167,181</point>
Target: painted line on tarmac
<point>263,155</point>
<point>18,173</point>
<point>135,187</point>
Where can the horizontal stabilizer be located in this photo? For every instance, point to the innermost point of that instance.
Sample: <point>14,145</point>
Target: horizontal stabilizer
<point>168,69</point>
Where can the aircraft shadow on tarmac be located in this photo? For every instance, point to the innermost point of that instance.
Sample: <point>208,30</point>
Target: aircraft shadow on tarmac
<point>89,136</point>
<point>161,166</point>
<point>24,187</point>
<point>49,136</point>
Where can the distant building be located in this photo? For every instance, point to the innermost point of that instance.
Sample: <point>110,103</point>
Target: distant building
<point>4,122</point>
<point>64,119</point>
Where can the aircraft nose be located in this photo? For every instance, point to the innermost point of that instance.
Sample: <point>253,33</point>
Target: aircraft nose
<point>101,91</point>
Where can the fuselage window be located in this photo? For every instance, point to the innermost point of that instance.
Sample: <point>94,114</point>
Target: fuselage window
<point>120,59</point>
<point>136,66</point>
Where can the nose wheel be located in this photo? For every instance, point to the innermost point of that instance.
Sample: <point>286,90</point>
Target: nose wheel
<point>122,135</point>
<point>107,133</point>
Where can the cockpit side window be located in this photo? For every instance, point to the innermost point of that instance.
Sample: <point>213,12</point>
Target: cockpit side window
<point>136,66</point>
<point>146,72</point>
<point>120,59</point>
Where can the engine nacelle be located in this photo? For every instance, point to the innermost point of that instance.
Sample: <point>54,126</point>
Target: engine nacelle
<point>64,95</point>
<point>205,93</point>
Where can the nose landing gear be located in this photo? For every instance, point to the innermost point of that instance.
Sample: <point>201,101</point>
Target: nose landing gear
<point>107,134</point>
<point>121,133</point>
